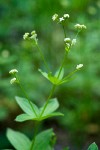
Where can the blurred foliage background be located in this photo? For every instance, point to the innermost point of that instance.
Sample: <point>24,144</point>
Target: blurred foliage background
<point>79,99</point>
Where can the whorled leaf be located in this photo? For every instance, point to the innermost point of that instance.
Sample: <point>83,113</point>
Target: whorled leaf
<point>93,146</point>
<point>18,140</point>
<point>26,107</point>
<point>51,106</point>
<point>42,113</point>
<point>25,117</point>
<point>43,140</point>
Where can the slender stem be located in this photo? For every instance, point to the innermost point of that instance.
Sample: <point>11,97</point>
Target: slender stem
<point>64,30</point>
<point>77,33</point>
<point>42,56</point>
<point>51,93</point>
<point>70,74</point>
<point>25,95</point>
<point>35,132</point>
<point>62,64</point>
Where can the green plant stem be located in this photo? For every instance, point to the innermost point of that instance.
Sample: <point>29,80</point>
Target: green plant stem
<point>78,33</point>
<point>35,133</point>
<point>64,30</point>
<point>25,94</point>
<point>53,87</point>
<point>37,125</point>
<point>42,56</point>
<point>62,64</point>
<point>50,95</point>
<point>70,74</point>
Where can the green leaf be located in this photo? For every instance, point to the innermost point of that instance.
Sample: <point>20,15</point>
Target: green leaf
<point>42,140</point>
<point>26,107</point>
<point>43,73</point>
<point>24,117</point>
<point>52,79</point>
<point>18,140</point>
<point>51,115</point>
<point>93,146</point>
<point>61,74</point>
<point>51,107</point>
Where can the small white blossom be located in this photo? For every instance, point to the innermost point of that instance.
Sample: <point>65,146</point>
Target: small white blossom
<point>33,32</point>
<point>79,66</point>
<point>83,26</point>
<point>13,80</point>
<point>79,26</point>
<point>13,71</point>
<point>73,42</point>
<point>61,19</point>
<point>34,36</point>
<point>66,15</point>
<point>67,40</point>
<point>55,17</point>
<point>25,36</point>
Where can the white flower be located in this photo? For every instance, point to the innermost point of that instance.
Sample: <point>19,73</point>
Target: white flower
<point>79,66</point>
<point>67,40</point>
<point>13,80</point>
<point>13,71</point>
<point>61,19</point>
<point>34,36</point>
<point>25,36</point>
<point>33,32</point>
<point>66,15</point>
<point>54,17</point>
<point>79,26</point>
<point>73,42</point>
<point>83,26</point>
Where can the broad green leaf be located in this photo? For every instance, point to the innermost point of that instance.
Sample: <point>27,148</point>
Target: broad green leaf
<point>42,140</point>
<point>51,115</point>
<point>26,107</point>
<point>93,146</point>
<point>61,74</point>
<point>51,107</point>
<point>18,140</point>
<point>25,117</point>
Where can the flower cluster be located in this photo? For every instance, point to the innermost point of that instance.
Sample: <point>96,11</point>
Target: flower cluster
<point>55,17</point>
<point>13,80</point>
<point>31,36</point>
<point>13,72</point>
<point>26,36</point>
<point>79,26</point>
<point>69,43</point>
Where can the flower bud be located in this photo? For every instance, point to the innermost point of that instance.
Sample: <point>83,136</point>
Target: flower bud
<point>79,66</point>
<point>13,80</point>
<point>13,71</point>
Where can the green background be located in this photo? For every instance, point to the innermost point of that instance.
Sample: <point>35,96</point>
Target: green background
<point>80,98</point>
